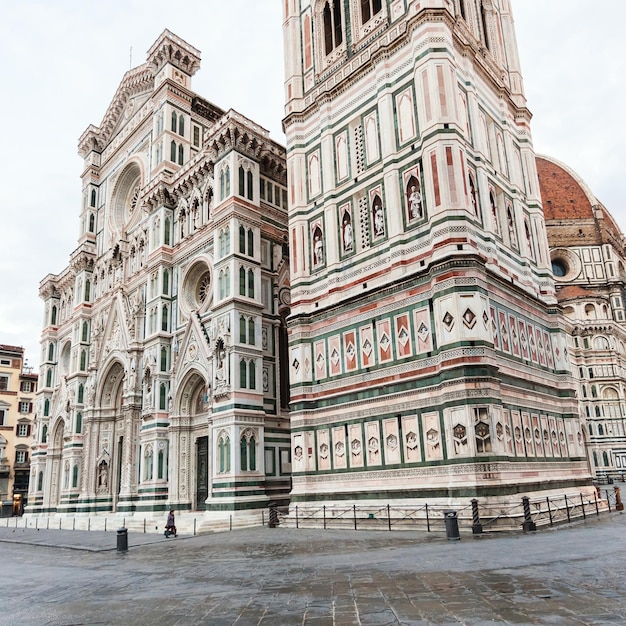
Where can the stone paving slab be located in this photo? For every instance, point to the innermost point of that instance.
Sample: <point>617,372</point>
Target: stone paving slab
<point>575,575</point>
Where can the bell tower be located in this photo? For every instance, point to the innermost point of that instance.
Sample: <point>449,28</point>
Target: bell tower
<point>424,343</point>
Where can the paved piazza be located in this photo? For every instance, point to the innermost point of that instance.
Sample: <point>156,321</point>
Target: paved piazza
<point>571,575</point>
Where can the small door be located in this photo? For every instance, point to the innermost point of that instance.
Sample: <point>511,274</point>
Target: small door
<point>202,473</point>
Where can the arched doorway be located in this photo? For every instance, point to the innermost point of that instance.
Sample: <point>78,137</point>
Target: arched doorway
<point>108,461</point>
<point>194,402</point>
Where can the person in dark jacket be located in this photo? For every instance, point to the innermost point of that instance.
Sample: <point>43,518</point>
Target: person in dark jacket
<point>170,526</point>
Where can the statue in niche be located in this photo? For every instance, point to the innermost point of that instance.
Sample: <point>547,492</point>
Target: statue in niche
<point>379,218</point>
<point>103,475</point>
<point>318,247</point>
<point>414,199</point>
<point>347,234</point>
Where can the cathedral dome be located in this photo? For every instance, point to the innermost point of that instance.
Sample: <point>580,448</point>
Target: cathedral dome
<point>574,216</point>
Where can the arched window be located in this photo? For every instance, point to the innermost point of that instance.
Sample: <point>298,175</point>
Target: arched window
<point>252,375</point>
<point>40,481</point>
<point>250,242</point>
<point>83,360</point>
<point>243,374</point>
<point>166,281</point>
<point>249,181</point>
<point>242,329</point>
<point>163,359</point>
<point>79,423</point>
<point>369,8</point>
<point>148,458</point>
<point>595,458</point>
<point>92,198</point>
<point>251,331</point>
<point>250,284</point>
<point>49,378</point>
<point>224,453</point>
<point>44,430</point>
<point>227,240</point>
<point>174,120</point>
<point>181,154</point>
<point>173,152</point>
<point>164,319</point>
<point>600,430</point>
<point>166,231</point>
<point>483,23</point>
<point>85,335</point>
<point>75,476</point>
<point>243,451</point>
<point>181,125</point>
<point>462,9</point>
<point>87,290</point>
<point>242,240</point>
<point>160,464</point>
<point>81,393</point>
<point>162,397</point>
<point>92,222</point>
<point>494,212</point>
<point>333,33</point>
<point>227,282</point>
<point>605,459</point>
<point>53,315</point>
<point>242,181</point>
<point>242,281</point>
<point>220,283</point>
<point>51,352</point>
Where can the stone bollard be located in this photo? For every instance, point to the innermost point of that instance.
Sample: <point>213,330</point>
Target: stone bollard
<point>618,500</point>
<point>477,527</point>
<point>528,523</point>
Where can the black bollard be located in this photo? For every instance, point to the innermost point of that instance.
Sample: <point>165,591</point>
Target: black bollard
<point>452,525</point>
<point>477,527</point>
<point>122,539</point>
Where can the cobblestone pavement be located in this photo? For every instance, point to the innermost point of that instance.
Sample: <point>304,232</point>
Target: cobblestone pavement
<point>571,575</point>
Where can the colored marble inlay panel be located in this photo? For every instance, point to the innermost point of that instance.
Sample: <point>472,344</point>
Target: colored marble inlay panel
<point>411,442</point>
<point>494,328</point>
<point>349,351</point>
<point>523,441</point>
<point>548,348</point>
<point>374,452</point>
<point>432,437</point>
<point>355,438</point>
<point>540,347</point>
<point>320,360</point>
<point>523,337</point>
<point>383,333</point>
<point>323,449</point>
<point>403,336</point>
<point>368,355</point>
<point>391,439</point>
<point>514,336</point>
<point>423,339</point>
<point>504,332</point>
<point>532,343</point>
<point>340,454</point>
<point>334,354</point>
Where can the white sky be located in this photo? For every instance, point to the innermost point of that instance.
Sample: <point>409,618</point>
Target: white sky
<point>62,60</point>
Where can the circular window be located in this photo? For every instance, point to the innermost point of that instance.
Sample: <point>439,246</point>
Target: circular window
<point>197,287</point>
<point>566,265</point>
<point>204,287</point>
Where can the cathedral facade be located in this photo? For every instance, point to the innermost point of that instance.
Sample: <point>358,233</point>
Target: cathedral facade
<point>161,382</point>
<point>428,356</point>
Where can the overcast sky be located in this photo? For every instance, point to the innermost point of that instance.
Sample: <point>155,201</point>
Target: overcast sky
<point>62,60</point>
